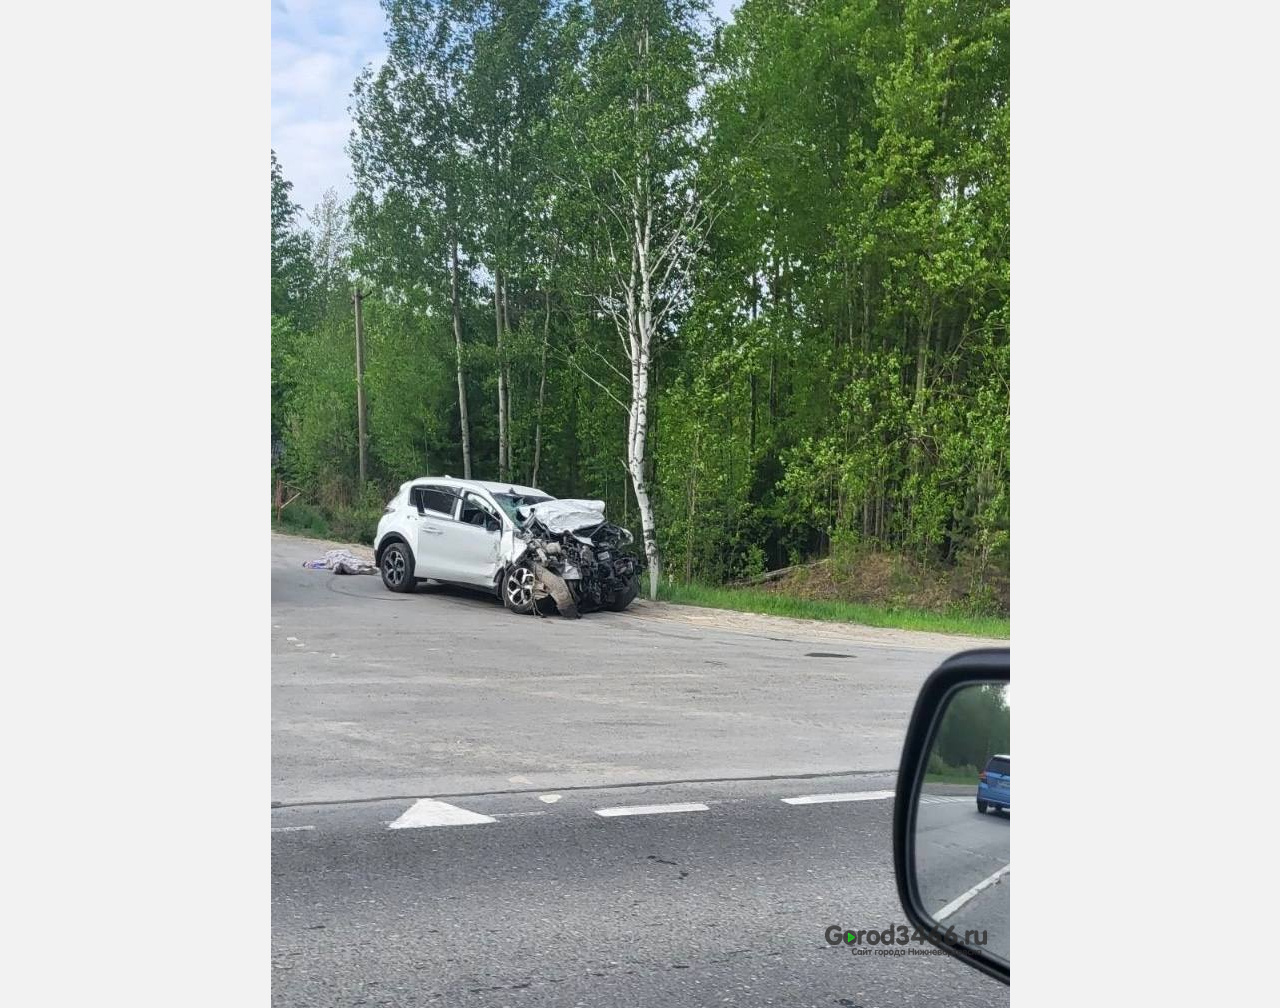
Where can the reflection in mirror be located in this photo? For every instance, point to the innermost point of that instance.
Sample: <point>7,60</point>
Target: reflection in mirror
<point>962,821</point>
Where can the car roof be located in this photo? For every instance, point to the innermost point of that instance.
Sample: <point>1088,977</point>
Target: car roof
<point>492,487</point>
<point>1000,756</point>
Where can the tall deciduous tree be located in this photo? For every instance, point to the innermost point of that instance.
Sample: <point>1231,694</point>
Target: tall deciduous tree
<point>409,161</point>
<point>291,274</point>
<point>626,115</point>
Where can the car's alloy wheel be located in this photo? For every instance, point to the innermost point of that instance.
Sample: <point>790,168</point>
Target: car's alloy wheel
<point>517,589</point>
<point>397,568</point>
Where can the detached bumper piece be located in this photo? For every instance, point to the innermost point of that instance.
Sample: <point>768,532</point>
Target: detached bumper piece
<point>552,584</point>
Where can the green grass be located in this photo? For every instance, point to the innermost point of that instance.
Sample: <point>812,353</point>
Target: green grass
<point>939,771</point>
<point>757,601</point>
<point>969,776</point>
<point>353,525</point>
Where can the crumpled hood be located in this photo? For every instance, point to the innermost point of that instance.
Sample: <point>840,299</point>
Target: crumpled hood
<point>564,515</point>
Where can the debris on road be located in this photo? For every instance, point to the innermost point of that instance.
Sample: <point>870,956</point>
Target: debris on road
<point>342,561</point>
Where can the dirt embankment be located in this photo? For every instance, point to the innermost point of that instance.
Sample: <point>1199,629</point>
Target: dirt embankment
<point>894,580</point>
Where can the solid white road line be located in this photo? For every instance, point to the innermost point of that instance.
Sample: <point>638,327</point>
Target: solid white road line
<point>818,799</point>
<point>969,894</point>
<point>652,809</point>
<point>429,812</point>
<point>290,829</point>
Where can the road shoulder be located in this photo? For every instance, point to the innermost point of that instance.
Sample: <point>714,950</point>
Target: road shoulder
<point>758,624</point>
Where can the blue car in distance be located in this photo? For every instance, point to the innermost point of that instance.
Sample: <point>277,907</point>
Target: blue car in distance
<point>993,784</point>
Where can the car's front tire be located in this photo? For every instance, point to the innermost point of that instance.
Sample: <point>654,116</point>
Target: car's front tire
<point>623,597</point>
<point>517,589</point>
<point>982,808</point>
<point>397,568</point>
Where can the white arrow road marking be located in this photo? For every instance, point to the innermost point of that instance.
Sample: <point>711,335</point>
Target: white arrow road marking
<point>429,812</point>
<point>652,809</point>
<point>969,894</point>
<point>819,799</point>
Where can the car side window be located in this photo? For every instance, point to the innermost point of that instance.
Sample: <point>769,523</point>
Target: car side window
<point>475,512</point>
<point>437,499</point>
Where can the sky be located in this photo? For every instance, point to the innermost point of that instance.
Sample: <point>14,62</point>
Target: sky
<point>317,49</point>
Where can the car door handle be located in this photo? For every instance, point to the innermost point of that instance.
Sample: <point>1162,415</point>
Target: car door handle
<point>432,530</point>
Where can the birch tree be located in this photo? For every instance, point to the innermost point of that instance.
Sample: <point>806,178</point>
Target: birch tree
<point>626,126</point>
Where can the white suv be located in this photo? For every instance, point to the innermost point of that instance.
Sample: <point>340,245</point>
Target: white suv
<point>517,541</point>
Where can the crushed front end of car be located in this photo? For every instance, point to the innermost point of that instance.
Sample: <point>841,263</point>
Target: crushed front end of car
<point>573,556</point>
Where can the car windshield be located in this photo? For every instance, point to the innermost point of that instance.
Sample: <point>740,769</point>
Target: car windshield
<point>509,502</point>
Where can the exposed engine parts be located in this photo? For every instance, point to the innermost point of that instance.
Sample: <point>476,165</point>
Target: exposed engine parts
<point>576,558</point>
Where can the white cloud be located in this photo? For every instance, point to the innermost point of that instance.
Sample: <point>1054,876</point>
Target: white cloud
<point>318,47</point>
<point>315,76</point>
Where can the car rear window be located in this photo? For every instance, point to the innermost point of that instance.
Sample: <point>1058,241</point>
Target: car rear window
<point>998,764</point>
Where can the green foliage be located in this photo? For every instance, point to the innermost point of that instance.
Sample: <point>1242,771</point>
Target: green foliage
<point>292,276</point>
<point>303,519</point>
<point>974,727</point>
<point>343,523</point>
<point>939,771</point>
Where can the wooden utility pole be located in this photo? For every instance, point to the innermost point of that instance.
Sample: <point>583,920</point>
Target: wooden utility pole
<point>357,298</point>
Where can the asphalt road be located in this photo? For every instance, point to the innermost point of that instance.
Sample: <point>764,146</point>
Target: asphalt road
<point>553,904</point>
<point>958,849</point>
<point>519,732</point>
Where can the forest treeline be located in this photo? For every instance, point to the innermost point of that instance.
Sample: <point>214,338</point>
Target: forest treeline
<point>748,284</point>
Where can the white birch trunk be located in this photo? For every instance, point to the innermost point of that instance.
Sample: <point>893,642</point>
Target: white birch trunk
<point>502,378</point>
<point>462,385</point>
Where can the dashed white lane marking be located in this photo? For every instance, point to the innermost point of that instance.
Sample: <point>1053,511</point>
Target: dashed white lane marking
<point>819,799</point>
<point>652,809</point>
<point>291,639</point>
<point>429,812</point>
<point>969,894</point>
<point>944,799</point>
<point>290,829</point>
<point>550,799</point>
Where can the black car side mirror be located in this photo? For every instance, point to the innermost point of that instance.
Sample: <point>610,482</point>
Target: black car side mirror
<point>951,811</point>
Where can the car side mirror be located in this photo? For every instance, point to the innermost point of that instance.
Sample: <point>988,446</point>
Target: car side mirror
<point>951,811</point>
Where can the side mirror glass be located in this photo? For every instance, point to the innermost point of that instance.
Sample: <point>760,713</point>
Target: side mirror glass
<point>952,818</point>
